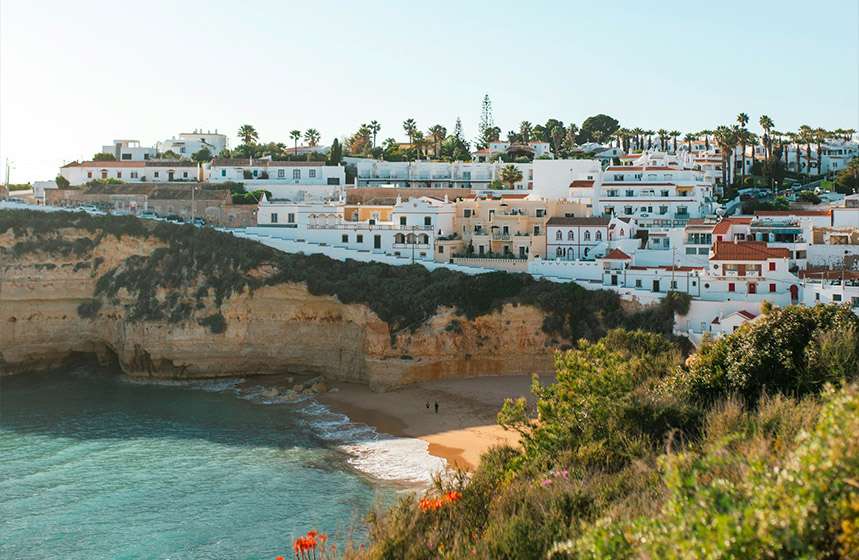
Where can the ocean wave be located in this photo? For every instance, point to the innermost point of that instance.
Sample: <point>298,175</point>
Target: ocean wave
<point>381,456</point>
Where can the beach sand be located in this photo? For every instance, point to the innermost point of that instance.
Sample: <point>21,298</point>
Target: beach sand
<point>466,423</point>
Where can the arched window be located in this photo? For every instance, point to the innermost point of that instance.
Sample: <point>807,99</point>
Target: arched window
<point>621,232</point>
<point>599,236</point>
<point>570,235</point>
<point>559,252</point>
<point>559,236</point>
<point>587,236</point>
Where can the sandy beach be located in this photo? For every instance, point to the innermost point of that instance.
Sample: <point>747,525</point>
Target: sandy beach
<point>466,423</point>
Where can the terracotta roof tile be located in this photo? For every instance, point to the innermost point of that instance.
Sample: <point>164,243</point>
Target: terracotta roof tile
<point>592,221</point>
<point>617,255</point>
<point>746,251</point>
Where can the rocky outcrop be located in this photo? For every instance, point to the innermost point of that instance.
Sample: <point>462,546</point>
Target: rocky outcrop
<point>276,329</point>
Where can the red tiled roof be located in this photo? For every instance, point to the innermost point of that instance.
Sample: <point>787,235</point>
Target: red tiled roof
<point>592,221</point>
<point>581,184</point>
<point>726,223</point>
<point>746,251</point>
<point>829,274</point>
<point>623,168</point>
<point>744,313</point>
<point>109,164</point>
<point>483,151</point>
<point>617,255</point>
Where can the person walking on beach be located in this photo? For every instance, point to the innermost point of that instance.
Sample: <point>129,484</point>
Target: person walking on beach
<point>436,408</point>
<point>427,405</point>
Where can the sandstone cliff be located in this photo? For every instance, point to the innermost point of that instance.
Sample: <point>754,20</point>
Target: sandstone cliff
<point>278,328</point>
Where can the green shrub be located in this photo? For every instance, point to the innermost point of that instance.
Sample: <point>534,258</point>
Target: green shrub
<point>89,309</point>
<point>215,323</point>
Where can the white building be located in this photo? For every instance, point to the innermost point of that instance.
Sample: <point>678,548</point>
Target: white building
<point>288,180</point>
<point>129,150</point>
<point>532,150</point>
<point>189,143</point>
<point>149,171</point>
<point>404,228</point>
<point>656,197</point>
<point>574,239</point>
<point>374,173</point>
<point>39,188</point>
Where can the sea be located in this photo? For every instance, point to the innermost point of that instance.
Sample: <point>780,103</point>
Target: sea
<point>96,465</point>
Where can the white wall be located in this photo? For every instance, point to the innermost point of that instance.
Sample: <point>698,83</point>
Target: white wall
<point>552,177</point>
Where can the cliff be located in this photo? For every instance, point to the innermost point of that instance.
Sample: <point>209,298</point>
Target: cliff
<point>53,304</point>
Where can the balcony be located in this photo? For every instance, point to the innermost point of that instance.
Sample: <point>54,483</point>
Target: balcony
<point>681,215</point>
<point>500,237</point>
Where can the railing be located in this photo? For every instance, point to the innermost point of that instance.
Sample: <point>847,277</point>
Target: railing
<point>364,225</point>
<point>410,245</point>
<point>501,237</point>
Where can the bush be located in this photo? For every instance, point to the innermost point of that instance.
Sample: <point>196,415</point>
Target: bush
<point>215,323</point>
<point>89,309</point>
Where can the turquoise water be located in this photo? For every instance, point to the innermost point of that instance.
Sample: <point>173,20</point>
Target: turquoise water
<point>93,466</point>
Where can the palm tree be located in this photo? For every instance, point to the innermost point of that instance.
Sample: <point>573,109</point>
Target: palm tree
<point>248,134</point>
<point>637,132</point>
<point>792,138</point>
<point>806,135</point>
<point>438,133</point>
<point>374,127</point>
<point>688,139</point>
<point>312,137</point>
<point>706,134</point>
<point>419,142</point>
<point>726,139</point>
<point>820,134</point>
<point>510,175</point>
<point>295,135</point>
<point>663,135</point>
<point>571,135</point>
<point>411,128</point>
<point>674,134</point>
<point>557,136</point>
<point>649,134</point>
<point>525,129</point>
<point>766,124</point>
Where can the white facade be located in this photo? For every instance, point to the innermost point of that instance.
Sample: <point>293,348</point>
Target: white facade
<point>40,186</point>
<point>190,142</point>
<point>158,171</point>
<point>656,197</point>
<point>286,180</point>
<point>129,150</point>
<point>373,173</point>
<point>553,177</point>
<point>576,239</point>
<point>411,229</point>
<point>536,149</point>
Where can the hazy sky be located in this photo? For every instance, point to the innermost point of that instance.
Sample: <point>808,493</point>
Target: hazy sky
<point>74,75</point>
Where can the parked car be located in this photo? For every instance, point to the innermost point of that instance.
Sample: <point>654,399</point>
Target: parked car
<point>199,222</point>
<point>173,218</point>
<point>745,197</point>
<point>146,214</point>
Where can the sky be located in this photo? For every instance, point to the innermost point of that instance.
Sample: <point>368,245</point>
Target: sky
<point>75,75</point>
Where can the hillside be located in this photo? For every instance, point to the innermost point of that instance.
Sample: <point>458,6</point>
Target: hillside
<point>748,449</point>
<point>178,301</point>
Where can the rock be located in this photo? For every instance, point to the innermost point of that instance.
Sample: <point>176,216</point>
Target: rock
<point>298,388</point>
<point>333,390</point>
<point>319,387</point>
<point>289,396</point>
<point>308,392</point>
<point>290,379</point>
<point>272,392</point>
<point>314,381</point>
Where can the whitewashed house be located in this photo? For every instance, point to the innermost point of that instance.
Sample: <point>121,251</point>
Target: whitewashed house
<point>188,143</point>
<point>129,150</point>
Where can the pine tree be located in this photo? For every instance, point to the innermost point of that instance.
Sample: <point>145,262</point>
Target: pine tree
<point>486,123</point>
<point>335,155</point>
<point>457,129</point>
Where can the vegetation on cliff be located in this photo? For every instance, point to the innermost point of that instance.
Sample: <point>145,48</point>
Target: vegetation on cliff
<point>749,449</point>
<point>197,268</point>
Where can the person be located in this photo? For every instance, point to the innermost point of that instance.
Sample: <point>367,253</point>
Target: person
<point>427,405</point>
<point>436,408</point>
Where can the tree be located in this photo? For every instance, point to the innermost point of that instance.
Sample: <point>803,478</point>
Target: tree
<point>806,135</point>
<point>248,134</point>
<point>296,136</point>
<point>312,137</point>
<point>104,156</point>
<point>170,154</point>
<point>359,143</point>
<point>62,182</point>
<point>726,139</point>
<point>510,175</point>
<point>663,136</point>
<point>202,155</point>
<point>420,143</point>
<point>492,134</point>
<point>766,124</point>
<point>335,155</point>
<point>774,168</point>
<point>820,135</point>
<point>557,137</point>
<point>438,133</point>
<point>848,179</point>
<point>674,134</point>
<point>809,197</point>
<point>411,128</point>
<point>486,123</point>
<point>649,135</point>
<point>525,131</point>
<point>707,134</point>
<point>688,139</point>
<point>374,127</point>
<point>603,124</point>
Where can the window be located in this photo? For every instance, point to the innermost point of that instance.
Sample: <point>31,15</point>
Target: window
<point>587,236</point>
<point>753,288</point>
<point>281,173</point>
<point>134,174</point>
<point>89,174</point>
<point>541,212</point>
<point>311,173</point>
<point>182,150</point>
<point>836,297</point>
<point>638,282</point>
<point>344,238</point>
<point>155,174</point>
<point>440,249</point>
<point>223,172</point>
<point>599,236</point>
<point>184,174</point>
<point>674,284</point>
<point>627,210</point>
<point>571,236</point>
<point>536,230</point>
<point>855,301</point>
<point>290,218</point>
<point>296,174</point>
<point>119,174</point>
<point>691,250</point>
<point>731,287</point>
<point>772,266</point>
<point>377,242</point>
<point>359,238</point>
<point>402,220</point>
<point>772,287</point>
<point>466,213</point>
<point>126,157</point>
<point>255,172</point>
<point>427,221</point>
<point>630,192</point>
<point>274,217</point>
